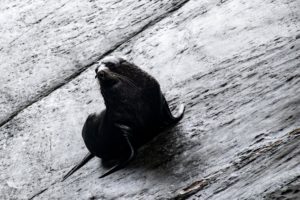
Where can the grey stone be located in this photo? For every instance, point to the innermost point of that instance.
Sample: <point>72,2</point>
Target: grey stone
<point>42,50</point>
<point>235,64</point>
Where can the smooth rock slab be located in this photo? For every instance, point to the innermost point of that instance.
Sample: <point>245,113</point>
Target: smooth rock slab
<point>228,137</point>
<point>50,49</point>
<point>240,88</point>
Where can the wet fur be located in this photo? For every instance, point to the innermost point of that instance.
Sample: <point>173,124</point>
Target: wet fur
<point>136,111</point>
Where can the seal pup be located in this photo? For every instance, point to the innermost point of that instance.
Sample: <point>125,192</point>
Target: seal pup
<point>136,111</point>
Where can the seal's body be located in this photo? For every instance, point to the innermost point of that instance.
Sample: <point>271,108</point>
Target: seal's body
<point>136,111</point>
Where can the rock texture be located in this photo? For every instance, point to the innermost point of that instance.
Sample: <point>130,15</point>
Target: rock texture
<point>48,43</point>
<point>234,63</point>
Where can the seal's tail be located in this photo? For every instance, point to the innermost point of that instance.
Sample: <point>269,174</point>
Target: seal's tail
<point>88,157</point>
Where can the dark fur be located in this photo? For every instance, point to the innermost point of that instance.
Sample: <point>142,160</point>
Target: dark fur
<point>136,111</point>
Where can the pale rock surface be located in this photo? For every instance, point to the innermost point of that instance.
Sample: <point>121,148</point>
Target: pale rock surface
<point>235,64</point>
<point>47,43</point>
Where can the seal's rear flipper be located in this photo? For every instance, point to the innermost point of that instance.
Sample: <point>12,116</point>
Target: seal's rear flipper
<point>122,163</point>
<point>88,157</point>
<point>180,112</point>
<point>168,117</point>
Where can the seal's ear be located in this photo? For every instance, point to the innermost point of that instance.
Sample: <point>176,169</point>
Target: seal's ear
<point>111,64</point>
<point>123,59</point>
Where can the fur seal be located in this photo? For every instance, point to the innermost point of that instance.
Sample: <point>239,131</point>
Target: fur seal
<point>136,111</point>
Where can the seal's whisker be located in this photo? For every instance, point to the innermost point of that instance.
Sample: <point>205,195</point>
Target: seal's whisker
<point>124,78</point>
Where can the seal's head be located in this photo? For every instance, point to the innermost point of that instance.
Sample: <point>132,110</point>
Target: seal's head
<point>113,70</point>
<point>123,69</point>
<point>119,80</point>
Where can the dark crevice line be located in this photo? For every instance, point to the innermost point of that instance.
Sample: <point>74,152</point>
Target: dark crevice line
<point>43,190</point>
<point>265,149</point>
<point>84,68</point>
<point>37,194</point>
<point>80,71</point>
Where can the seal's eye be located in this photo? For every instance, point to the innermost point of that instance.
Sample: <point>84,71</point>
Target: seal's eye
<point>110,64</point>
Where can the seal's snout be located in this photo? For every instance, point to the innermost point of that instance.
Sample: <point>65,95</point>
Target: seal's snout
<point>101,74</point>
<point>100,71</point>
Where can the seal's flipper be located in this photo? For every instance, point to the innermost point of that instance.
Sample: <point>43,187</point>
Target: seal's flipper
<point>180,112</point>
<point>124,162</point>
<point>168,117</point>
<point>88,157</point>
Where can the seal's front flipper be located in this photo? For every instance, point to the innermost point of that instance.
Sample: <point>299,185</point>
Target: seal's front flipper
<point>88,157</point>
<point>168,117</point>
<point>125,161</point>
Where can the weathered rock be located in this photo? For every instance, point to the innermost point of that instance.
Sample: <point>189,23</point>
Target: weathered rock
<point>48,49</point>
<point>235,64</point>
